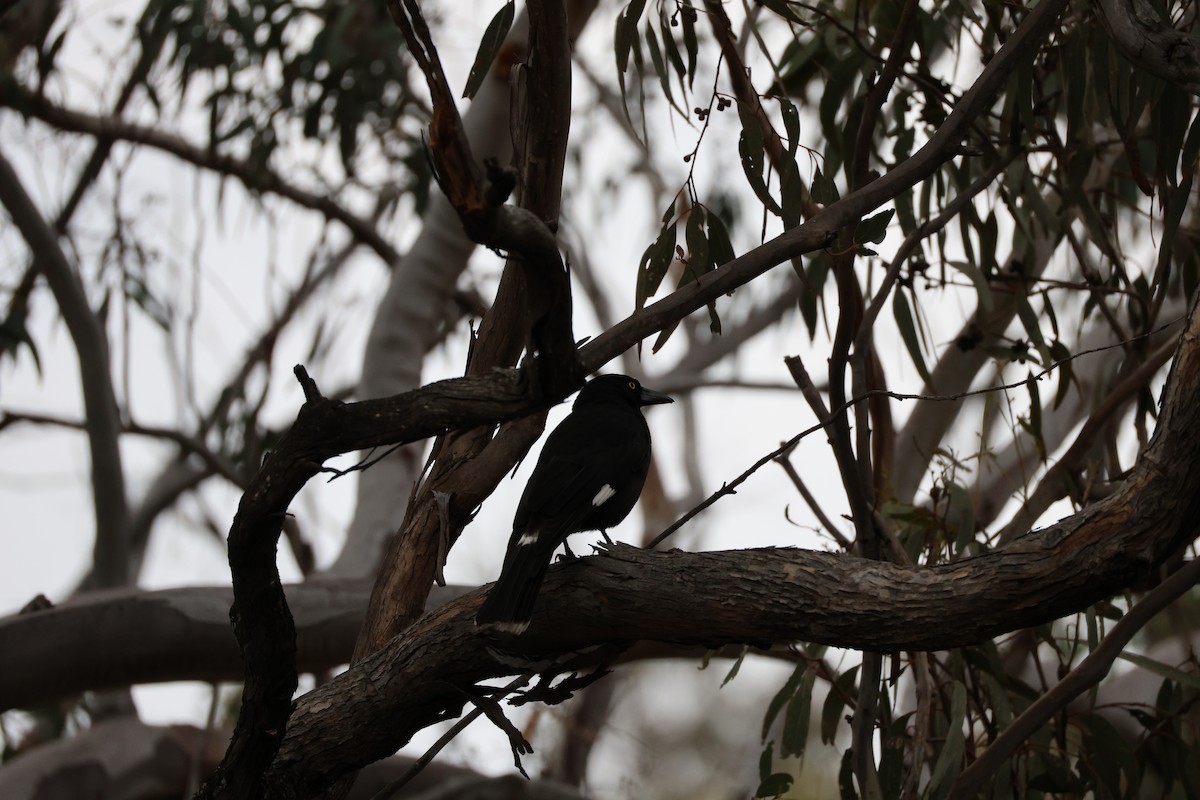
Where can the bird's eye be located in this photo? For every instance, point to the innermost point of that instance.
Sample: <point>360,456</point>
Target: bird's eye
<point>633,386</point>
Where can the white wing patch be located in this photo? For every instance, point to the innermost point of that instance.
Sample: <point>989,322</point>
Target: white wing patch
<point>602,496</point>
<point>527,539</point>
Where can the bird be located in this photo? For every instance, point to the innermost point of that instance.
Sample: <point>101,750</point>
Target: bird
<point>587,478</point>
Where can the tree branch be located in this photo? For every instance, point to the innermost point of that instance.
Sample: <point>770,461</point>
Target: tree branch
<point>1090,672</point>
<point>1144,35</point>
<point>111,551</point>
<point>256,177</point>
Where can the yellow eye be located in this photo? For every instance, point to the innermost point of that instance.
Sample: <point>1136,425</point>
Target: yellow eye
<point>633,386</point>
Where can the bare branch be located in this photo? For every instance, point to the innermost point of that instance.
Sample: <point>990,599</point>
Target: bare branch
<point>253,175</point>
<point>112,552</point>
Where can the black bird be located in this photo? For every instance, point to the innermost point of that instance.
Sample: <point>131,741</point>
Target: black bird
<point>588,477</point>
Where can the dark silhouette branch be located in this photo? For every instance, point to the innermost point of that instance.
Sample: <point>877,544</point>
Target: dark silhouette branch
<point>261,617</point>
<point>1090,672</point>
<point>532,309</point>
<point>1143,33</point>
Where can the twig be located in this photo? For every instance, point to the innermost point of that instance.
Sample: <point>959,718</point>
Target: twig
<point>1089,672</point>
<point>784,460</point>
<point>251,174</point>
<point>730,488</point>
<point>392,789</point>
<point>1050,487</point>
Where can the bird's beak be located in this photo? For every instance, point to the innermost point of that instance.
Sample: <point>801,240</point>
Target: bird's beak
<point>649,397</point>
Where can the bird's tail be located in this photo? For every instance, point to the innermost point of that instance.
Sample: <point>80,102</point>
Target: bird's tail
<point>509,603</point>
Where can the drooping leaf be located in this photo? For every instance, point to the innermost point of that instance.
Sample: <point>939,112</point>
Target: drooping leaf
<point>737,665</point>
<point>824,190</point>
<point>949,762</point>
<point>874,229</point>
<point>690,43</point>
<point>960,516</point>
<point>795,722</point>
<point>660,68</point>
<point>908,333</point>
<point>781,698</point>
<point>831,712</point>
<point>983,289</point>
<point>625,41</point>
<point>489,46</point>
<point>752,152</point>
<point>654,264</point>
<point>720,248</point>
<point>774,785</point>
<point>1159,668</point>
<point>1035,416</point>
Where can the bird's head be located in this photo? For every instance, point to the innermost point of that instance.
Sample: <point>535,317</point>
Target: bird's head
<point>619,388</point>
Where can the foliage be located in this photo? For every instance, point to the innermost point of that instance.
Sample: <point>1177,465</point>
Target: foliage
<point>1035,275</point>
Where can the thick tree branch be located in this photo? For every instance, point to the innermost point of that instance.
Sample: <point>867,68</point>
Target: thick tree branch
<point>1143,33</point>
<point>261,617</point>
<point>596,604</point>
<point>532,310</point>
<point>109,639</point>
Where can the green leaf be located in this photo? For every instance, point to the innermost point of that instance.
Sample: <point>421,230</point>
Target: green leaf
<point>791,192</point>
<point>1065,369</point>
<point>690,43</point>
<point>1029,320</point>
<point>698,262</point>
<point>781,698</point>
<point>791,124</point>
<point>672,52</point>
<point>1035,416</point>
<point>654,264</point>
<point>824,190</point>
<point>1158,668</point>
<point>795,722</point>
<point>720,248</point>
<point>874,229</point>
<point>949,762</point>
<point>751,150</point>
<point>737,665</point>
<point>766,760</point>
<point>960,516</point>
<point>1108,757</point>
<point>626,32</point>
<point>660,67</point>
<point>774,785</point>
<point>489,46</point>
<point>624,40</point>
<point>908,332</point>
<point>831,713</point>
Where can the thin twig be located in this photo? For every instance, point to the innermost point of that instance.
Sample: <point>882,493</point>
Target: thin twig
<point>392,789</point>
<point>784,460</point>
<point>731,487</point>
<point>1089,673</point>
